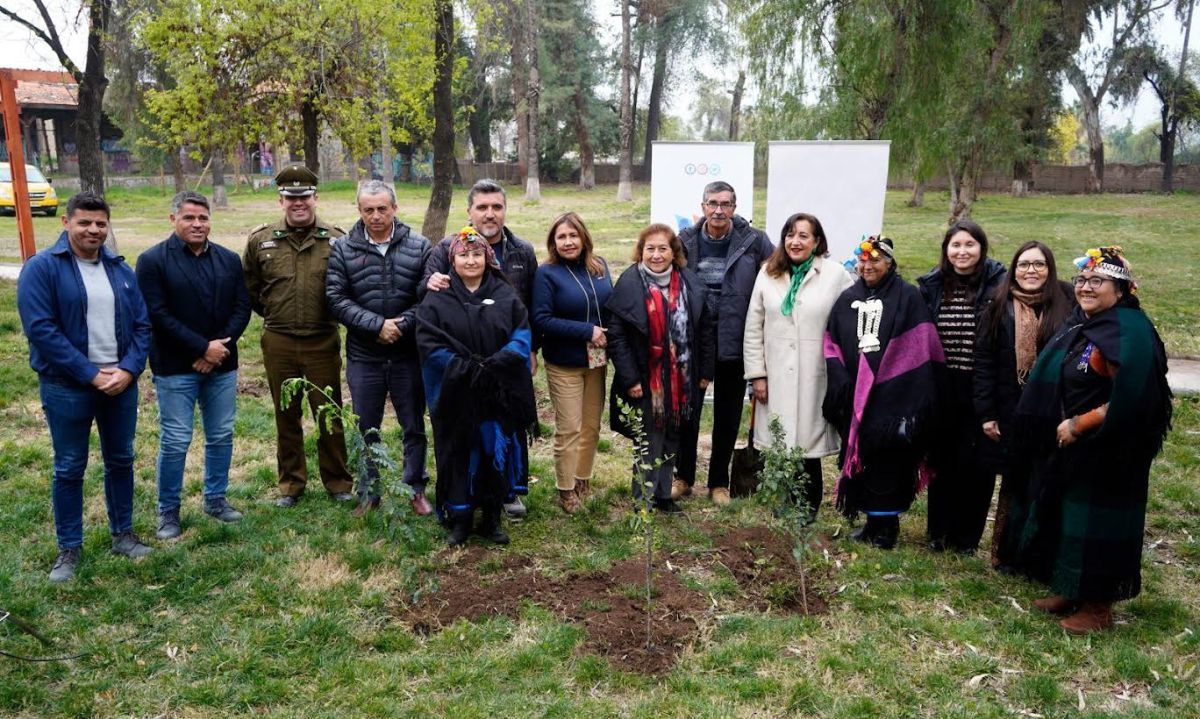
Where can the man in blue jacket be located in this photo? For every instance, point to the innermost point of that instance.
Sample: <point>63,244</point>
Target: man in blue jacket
<point>726,251</point>
<point>371,287</point>
<point>88,337</point>
<point>196,295</point>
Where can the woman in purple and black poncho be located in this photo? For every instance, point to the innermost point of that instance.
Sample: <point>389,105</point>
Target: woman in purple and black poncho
<point>885,364</point>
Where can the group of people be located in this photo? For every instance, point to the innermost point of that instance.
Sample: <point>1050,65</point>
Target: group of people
<point>978,370</point>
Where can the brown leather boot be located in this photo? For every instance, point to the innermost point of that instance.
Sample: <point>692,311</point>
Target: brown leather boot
<point>569,501</point>
<point>583,488</point>
<point>1091,617</point>
<point>1056,605</point>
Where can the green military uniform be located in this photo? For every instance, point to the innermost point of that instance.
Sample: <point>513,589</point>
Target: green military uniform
<point>285,275</point>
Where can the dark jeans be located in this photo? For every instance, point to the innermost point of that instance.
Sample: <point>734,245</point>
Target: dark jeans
<point>959,497</point>
<point>813,488</point>
<point>319,360</point>
<point>729,397</point>
<point>371,384</point>
<point>70,411</point>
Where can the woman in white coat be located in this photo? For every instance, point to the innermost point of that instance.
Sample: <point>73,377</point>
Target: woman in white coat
<point>784,351</point>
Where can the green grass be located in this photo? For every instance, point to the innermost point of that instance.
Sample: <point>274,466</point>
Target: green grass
<point>291,614</point>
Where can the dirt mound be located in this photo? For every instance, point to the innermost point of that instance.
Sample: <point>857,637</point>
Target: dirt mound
<point>477,583</point>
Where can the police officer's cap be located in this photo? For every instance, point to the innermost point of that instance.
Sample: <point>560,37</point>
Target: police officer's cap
<point>296,181</point>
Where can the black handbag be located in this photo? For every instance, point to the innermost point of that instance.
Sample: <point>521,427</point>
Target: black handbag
<point>747,463</point>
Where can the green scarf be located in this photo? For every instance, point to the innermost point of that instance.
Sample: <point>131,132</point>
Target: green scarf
<point>798,273</point>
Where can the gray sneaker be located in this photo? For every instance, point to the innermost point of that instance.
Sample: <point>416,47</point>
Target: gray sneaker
<point>343,497</point>
<point>64,565</point>
<point>287,500</point>
<point>168,525</point>
<point>515,509</point>
<point>218,508</point>
<point>128,544</point>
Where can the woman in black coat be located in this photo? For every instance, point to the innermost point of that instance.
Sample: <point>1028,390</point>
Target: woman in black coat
<point>1029,307</point>
<point>660,341</point>
<point>956,293</point>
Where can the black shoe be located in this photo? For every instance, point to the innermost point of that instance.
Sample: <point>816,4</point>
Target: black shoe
<point>460,529</point>
<point>287,500</point>
<point>863,533</point>
<point>218,508</point>
<point>127,544</point>
<point>64,565</point>
<point>666,505</point>
<point>168,525</point>
<point>937,546</point>
<point>887,533</point>
<point>490,528</point>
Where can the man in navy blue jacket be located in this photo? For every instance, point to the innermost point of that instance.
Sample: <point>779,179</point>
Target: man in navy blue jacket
<point>196,295</point>
<point>88,337</point>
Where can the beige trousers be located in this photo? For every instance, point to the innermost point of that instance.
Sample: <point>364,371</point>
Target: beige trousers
<point>578,397</point>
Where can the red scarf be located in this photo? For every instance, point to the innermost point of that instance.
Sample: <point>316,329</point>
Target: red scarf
<point>665,368</point>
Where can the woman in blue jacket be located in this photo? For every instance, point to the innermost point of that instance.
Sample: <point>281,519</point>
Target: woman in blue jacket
<point>568,292</point>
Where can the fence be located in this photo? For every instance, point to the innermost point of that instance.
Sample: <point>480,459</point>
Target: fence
<point>1073,179</point>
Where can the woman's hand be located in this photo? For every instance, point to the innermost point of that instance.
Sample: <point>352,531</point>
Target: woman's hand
<point>704,384</point>
<point>760,390</point>
<point>1066,437</point>
<point>992,430</point>
<point>635,392</point>
<point>598,337</point>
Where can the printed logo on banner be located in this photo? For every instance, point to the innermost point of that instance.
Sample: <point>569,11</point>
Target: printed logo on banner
<point>712,170</point>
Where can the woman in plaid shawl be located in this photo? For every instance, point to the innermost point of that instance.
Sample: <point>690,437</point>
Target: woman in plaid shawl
<point>1093,417</point>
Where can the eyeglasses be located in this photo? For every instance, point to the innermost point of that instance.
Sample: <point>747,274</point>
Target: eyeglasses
<point>1092,283</point>
<point>1026,265</point>
<point>714,205</point>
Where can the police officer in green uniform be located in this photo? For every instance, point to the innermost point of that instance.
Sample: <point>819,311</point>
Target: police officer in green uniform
<point>285,274</point>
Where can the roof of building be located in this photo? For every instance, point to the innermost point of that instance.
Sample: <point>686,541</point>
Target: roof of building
<point>44,89</point>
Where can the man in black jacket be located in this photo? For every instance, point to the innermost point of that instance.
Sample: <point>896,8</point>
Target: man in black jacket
<point>487,206</point>
<point>371,287</point>
<point>198,304</point>
<point>726,252</point>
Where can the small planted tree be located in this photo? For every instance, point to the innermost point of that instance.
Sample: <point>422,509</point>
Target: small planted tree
<point>394,495</point>
<point>644,517</point>
<point>781,488</point>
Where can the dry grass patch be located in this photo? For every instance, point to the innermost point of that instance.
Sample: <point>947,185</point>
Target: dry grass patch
<point>320,573</point>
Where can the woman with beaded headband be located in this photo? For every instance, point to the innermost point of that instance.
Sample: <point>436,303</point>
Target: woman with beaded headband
<point>1093,417</point>
<point>884,365</point>
<point>1029,308</point>
<point>956,293</point>
<point>474,342</point>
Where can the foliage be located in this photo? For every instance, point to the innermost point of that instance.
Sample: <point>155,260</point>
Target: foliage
<point>781,489</point>
<point>394,495</point>
<point>1064,137</point>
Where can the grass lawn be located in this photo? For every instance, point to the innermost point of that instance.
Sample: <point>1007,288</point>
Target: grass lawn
<point>294,613</point>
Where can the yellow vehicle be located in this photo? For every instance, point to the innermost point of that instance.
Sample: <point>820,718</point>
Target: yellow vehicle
<point>42,197</point>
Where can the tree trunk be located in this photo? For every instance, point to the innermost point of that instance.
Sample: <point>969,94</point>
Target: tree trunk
<point>176,160</point>
<point>520,87</point>
<point>587,156</point>
<point>310,119</point>
<point>1022,177</point>
<point>91,100</point>
<point>1167,146</point>
<point>964,199</point>
<point>662,43</point>
<point>952,179</point>
<point>533,186</point>
<point>625,180</point>
<point>918,195</point>
<point>479,127</point>
<point>1091,122</point>
<point>220,196</point>
<point>735,108</point>
<point>406,160</point>
<point>434,225</point>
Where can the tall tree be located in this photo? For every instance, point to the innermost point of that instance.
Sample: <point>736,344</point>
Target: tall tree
<point>92,81</point>
<point>533,187</point>
<point>1178,97</point>
<point>438,210</point>
<point>625,179</point>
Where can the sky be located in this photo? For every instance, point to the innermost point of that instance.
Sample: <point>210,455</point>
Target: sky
<point>19,48</point>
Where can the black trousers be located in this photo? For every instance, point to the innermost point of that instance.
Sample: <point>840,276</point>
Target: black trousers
<point>729,397</point>
<point>812,488</point>
<point>371,384</point>
<point>959,498</point>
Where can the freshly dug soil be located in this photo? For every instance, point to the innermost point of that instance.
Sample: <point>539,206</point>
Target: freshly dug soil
<point>610,604</point>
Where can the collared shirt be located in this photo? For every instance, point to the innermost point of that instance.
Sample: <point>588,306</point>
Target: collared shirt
<point>202,265</point>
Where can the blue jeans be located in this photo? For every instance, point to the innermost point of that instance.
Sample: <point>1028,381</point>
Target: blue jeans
<point>371,384</point>
<point>70,410</point>
<point>177,398</point>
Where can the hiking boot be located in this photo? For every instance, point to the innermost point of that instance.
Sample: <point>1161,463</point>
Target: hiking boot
<point>287,500</point>
<point>887,533</point>
<point>489,527</point>
<point>460,529</point>
<point>1056,605</point>
<point>128,544</point>
<point>666,505</point>
<point>218,508</point>
<point>64,565</point>
<point>583,489</point>
<point>364,506</point>
<point>680,489</point>
<point>568,499</point>
<point>342,497</point>
<point>720,496</point>
<point>420,505</point>
<point>1091,617</point>
<point>515,509</point>
<point>168,524</point>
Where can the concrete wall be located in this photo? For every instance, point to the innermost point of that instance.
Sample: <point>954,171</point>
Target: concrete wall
<point>1072,179</point>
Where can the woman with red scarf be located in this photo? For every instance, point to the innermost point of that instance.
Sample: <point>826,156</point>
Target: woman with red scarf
<point>661,344</point>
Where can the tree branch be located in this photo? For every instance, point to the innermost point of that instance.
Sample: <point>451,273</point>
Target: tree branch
<point>50,38</point>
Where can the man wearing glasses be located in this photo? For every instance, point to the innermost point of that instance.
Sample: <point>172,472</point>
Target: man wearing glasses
<point>726,252</point>
<point>285,265</point>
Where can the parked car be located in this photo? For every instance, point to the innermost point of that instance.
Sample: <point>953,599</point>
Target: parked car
<point>42,197</point>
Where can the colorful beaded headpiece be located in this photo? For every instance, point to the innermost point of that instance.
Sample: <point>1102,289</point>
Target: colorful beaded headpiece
<point>468,237</point>
<point>875,247</point>
<point>1107,261</point>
